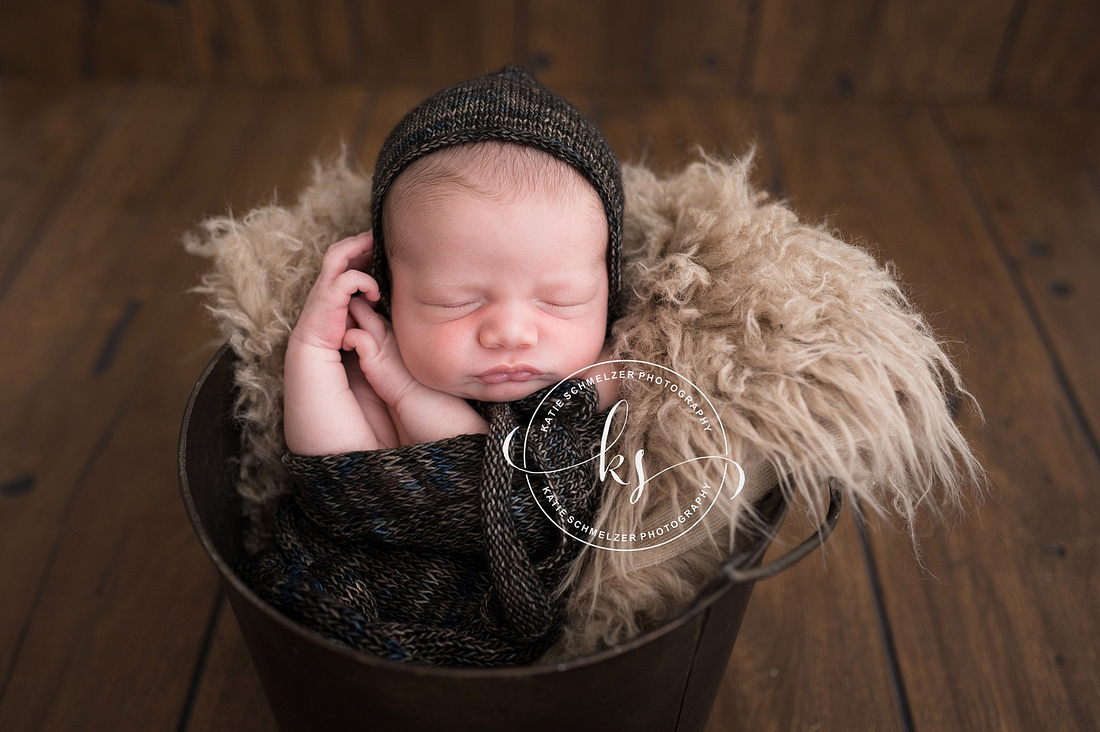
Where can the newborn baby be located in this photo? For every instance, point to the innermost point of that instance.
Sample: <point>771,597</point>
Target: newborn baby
<point>498,259</point>
<point>491,275</point>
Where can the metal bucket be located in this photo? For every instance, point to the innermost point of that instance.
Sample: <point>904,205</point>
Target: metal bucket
<point>664,680</point>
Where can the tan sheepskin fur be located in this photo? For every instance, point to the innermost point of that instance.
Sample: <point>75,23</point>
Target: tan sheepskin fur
<point>818,365</point>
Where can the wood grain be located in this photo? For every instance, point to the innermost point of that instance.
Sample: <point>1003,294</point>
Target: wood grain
<point>42,39</point>
<point>936,49</point>
<point>663,132</point>
<point>40,151</point>
<point>703,46</point>
<point>813,48</point>
<point>809,655</point>
<point>130,39</point>
<point>1055,57</point>
<point>990,213</point>
<point>435,43</point>
<point>1026,52</point>
<point>271,43</point>
<point>108,517</point>
<point>989,634</point>
<point>230,696</point>
<point>581,44</point>
<point>886,50</point>
<point>389,106</point>
<point>54,412</point>
<point>1037,174</point>
<point>127,576</point>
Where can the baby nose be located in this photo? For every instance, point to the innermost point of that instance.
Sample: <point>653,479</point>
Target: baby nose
<point>508,326</point>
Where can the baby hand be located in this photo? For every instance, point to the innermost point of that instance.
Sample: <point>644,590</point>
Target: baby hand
<point>324,412</point>
<point>372,338</point>
<point>422,414</point>
<point>325,317</point>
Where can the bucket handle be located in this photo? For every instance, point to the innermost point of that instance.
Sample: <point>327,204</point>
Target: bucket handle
<point>732,571</point>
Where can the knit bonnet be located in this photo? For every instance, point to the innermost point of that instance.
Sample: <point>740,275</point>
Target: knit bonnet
<point>508,105</point>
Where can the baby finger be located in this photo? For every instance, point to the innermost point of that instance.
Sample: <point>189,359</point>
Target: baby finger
<point>367,318</point>
<point>363,260</point>
<point>362,343</point>
<point>353,281</point>
<point>340,255</point>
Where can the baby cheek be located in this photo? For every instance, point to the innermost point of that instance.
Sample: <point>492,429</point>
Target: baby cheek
<point>580,345</point>
<point>435,356</point>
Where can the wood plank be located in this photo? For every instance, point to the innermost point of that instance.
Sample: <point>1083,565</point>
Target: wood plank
<point>896,50</point>
<point>39,151</point>
<point>433,43</point>
<point>936,49</point>
<point>134,39</point>
<point>22,106</point>
<point>812,48</point>
<point>1000,630</point>
<point>390,105</point>
<point>805,623</point>
<point>25,26</point>
<point>230,696</point>
<point>336,42</point>
<point>128,582</point>
<point>704,47</point>
<point>123,613</point>
<point>664,132</point>
<point>809,655</point>
<point>72,596</point>
<point>1036,172</point>
<point>589,45</point>
<point>54,331</point>
<point>300,126</point>
<point>257,42</point>
<point>1055,57</point>
<point>899,50</point>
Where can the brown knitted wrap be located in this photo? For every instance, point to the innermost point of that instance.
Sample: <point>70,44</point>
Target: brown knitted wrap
<point>438,553</point>
<point>508,105</point>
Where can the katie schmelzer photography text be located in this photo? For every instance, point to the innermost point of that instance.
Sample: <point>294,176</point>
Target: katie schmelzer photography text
<point>631,474</point>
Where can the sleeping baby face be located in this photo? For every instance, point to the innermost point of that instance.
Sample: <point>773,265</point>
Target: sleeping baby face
<point>498,269</point>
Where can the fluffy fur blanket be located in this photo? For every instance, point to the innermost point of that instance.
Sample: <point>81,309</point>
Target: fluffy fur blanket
<point>816,362</point>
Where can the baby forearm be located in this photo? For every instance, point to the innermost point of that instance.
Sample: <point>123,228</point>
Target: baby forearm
<point>428,415</point>
<point>321,415</point>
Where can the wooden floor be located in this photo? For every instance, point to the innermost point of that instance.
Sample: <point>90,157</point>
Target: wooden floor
<point>111,617</point>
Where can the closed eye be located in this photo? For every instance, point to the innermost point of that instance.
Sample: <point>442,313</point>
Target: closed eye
<point>452,307</point>
<point>563,305</point>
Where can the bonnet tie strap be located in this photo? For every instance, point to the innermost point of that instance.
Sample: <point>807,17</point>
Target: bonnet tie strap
<point>524,598</point>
